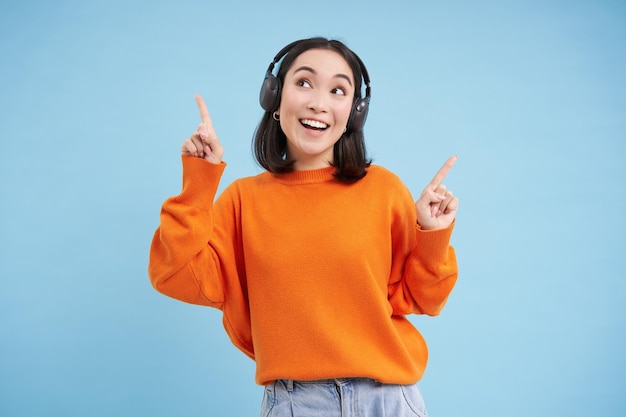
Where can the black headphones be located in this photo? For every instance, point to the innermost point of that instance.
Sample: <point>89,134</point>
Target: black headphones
<point>269,96</point>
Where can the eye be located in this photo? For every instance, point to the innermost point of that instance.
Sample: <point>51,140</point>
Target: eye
<point>339,91</point>
<point>303,83</point>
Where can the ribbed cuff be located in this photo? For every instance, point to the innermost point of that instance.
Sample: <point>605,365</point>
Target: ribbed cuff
<point>200,181</point>
<point>437,241</point>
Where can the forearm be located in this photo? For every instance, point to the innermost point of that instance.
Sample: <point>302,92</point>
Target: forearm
<point>428,275</point>
<point>180,253</point>
<point>432,270</point>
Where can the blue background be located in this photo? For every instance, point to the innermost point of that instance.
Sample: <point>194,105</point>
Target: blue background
<point>97,96</point>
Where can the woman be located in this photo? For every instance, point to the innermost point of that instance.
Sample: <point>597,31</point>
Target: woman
<point>316,261</point>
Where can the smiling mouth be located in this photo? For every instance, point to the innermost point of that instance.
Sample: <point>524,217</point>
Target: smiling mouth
<point>313,124</point>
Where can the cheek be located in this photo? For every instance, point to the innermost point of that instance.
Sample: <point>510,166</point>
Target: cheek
<point>343,113</point>
<point>286,102</point>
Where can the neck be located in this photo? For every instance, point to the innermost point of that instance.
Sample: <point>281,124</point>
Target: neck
<point>304,163</point>
<point>310,165</point>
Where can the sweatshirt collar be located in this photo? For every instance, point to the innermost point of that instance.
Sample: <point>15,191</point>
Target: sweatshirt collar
<point>312,176</point>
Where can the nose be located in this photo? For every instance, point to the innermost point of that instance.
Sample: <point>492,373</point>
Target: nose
<point>318,102</point>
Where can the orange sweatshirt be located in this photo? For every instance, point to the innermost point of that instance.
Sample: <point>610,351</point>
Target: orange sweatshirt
<point>314,277</point>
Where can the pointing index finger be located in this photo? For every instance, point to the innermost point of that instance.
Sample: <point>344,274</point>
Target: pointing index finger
<point>204,112</point>
<point>443,171</point>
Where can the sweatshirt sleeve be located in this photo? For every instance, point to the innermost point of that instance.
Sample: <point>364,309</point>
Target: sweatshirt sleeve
<point>425,267</point>
<point>431,270</point>
<point>182,264</point>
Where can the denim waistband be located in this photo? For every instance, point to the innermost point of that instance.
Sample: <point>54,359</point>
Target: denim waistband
<point>347,397</point>
<point>332,381</point>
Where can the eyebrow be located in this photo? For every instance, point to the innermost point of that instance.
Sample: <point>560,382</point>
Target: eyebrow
<point>311,70</point>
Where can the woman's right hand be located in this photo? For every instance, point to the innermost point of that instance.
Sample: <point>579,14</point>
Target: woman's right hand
<point>203,143</point>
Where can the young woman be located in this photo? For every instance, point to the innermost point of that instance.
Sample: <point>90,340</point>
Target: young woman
<point>315,262</point>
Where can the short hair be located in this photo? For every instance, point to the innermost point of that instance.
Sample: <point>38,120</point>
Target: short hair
<point>350,154</point>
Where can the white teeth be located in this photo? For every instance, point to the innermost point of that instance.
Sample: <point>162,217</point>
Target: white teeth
<point>314,123</point>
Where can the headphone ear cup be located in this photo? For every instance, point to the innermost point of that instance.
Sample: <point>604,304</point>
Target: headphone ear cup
<point>269,97</point>
<point>358,115</point>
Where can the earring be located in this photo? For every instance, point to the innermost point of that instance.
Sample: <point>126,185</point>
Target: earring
<point>276,116</point>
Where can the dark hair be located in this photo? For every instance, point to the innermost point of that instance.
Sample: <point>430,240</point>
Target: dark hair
<point>270,142</point>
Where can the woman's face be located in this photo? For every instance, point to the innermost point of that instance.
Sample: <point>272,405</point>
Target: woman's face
<point>316,101</point>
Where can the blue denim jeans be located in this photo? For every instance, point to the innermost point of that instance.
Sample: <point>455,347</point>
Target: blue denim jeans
<point>345,397</point>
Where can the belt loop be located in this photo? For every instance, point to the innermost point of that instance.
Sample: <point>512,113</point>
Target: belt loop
<point>289,385</point>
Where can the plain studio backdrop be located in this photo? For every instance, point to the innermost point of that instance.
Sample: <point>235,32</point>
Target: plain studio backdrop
<point>97,96</point>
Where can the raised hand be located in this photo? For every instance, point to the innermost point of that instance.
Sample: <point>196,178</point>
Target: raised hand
<point>204,143</point>
<point>436,207</point>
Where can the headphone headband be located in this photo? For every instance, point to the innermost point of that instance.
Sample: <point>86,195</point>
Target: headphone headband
<point>281,54</point>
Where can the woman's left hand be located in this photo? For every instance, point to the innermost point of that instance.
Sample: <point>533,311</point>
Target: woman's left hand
<point>436,207</point>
